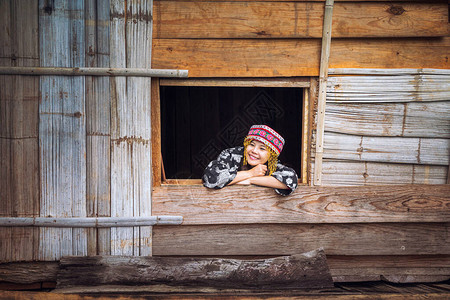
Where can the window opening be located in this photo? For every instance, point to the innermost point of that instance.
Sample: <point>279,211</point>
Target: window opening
<point>197,123</point>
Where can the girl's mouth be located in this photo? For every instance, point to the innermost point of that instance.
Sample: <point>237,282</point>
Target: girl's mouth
<point>252,157</point>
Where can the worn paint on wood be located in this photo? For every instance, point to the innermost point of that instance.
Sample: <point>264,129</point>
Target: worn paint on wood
<point>130,37</point>
<point>281,57</point>
<point>286,239</point>
<point>401,203</point>
<point>62,127</point>
<point>255,19</point>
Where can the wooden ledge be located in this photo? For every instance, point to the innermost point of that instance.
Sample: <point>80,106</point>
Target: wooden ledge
<point>249,205</point>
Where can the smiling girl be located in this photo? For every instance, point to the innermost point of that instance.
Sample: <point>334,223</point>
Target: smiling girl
<point>254,163</point>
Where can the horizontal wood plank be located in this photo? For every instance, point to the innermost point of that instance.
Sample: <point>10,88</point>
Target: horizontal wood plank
<point>424,151</point>
<point>308,270</point>
<point>293,57</point>
<point>239,82</point>
<point>393,268</point>
<point>209,19</point>
<point>350,173</point>
<point>343,268</point>
<point>285,239</point>
<point>413,119</point>
<point>373,89</point>
<point>240,205</point>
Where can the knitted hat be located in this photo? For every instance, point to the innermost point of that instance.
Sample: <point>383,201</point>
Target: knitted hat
<point>266,135</point>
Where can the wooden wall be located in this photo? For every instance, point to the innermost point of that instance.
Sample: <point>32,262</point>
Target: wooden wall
<point>397,233</point>
<point>388,128</point>
<point>74,146</point>
<point>283,38</point>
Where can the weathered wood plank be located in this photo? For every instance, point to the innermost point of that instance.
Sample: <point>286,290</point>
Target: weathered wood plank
<point>286,239</point>
<point>19,102</point>
<point>307,270</point>
<point>62,128</point>
<point>398,269</point>
<point>232,205</point>
<point>210,19</point>
<point>98,109</point>
<point>130,125</point>
<point>280,57</point>
<point>426,119</point>
<point>424,151</point>
<point>344,268</point>
<point>405,88</point>
<point>348,173</point>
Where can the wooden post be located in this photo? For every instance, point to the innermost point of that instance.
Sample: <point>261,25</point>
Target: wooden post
<point>325,54</point>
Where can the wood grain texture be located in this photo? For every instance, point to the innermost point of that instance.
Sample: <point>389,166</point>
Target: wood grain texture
<point>412,119</point>
<point>253,19</point>
<point>423,151</point>
<point>98,110</point>
<point>62,128</point>
<point>285,239</point>
<point>130,38</point>
<point>351,173</point>
<point>308,270</point>
<point>238,205</point>
<point>19,102</point>
<point>373,89</point>
<point>281,57</point>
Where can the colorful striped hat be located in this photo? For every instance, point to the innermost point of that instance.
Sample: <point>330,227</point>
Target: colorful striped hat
<point>266,135</point>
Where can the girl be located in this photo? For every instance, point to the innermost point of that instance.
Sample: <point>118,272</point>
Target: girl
<point>254,163</point>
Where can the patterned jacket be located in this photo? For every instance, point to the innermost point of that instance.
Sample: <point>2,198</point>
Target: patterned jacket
<point>221,172</point>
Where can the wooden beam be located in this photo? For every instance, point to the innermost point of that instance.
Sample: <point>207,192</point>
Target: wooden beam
<point>301,82</point>
<point>90,71</point>
<point>294,57</point>
<point>344,268</point>
<point>308,270</point>
<point>193,20</point>
<point>92,222</point>
<point>285,239</point>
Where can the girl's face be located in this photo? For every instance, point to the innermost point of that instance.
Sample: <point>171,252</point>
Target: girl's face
<point>257,153</point>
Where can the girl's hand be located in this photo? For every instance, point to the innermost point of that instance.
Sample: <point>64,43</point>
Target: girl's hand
<point>258,170</point>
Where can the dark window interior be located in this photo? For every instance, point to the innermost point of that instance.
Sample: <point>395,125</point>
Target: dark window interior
<point>198,122</point>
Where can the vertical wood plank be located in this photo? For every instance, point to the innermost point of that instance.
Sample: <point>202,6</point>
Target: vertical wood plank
<point>156,132</point>
<point>323,73</point>
<point>98,125</point>
<point>131,32</point>
<point>19,166</point>
<point>305,134</point>
<point>62,128</point>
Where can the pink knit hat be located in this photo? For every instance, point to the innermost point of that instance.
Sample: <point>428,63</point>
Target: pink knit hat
<point>266,135</point>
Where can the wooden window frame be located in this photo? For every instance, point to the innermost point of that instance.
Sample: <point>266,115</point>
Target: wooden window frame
<point>309,92</point>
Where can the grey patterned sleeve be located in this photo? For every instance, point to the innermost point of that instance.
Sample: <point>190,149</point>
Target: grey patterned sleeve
<point>287,176</point>
<point>223,170</point>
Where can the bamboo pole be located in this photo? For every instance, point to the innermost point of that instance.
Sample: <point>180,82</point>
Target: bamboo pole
<point>82,71</point>
<point>99,222</point>
<point>325,55</point>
